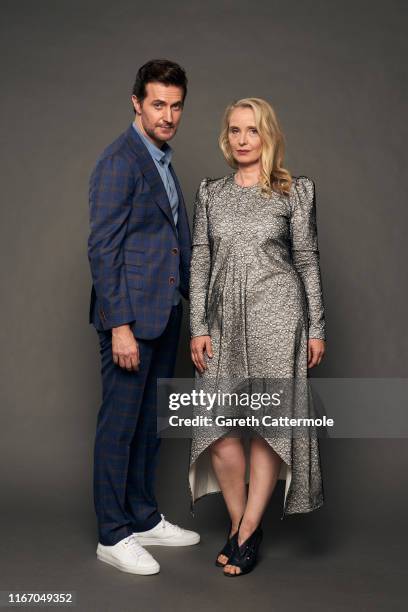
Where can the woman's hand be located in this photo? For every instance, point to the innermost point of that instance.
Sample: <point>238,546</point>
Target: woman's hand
<point>315,351</point>
<point>200,345</point>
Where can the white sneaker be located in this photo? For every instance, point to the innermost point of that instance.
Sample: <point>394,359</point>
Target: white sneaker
<point>166,534</point>
<point>128,556</point>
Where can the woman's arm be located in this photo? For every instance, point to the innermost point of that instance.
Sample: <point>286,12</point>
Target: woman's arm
<point>200,270</point>
<point>200,265</point>
<point>305,252</point>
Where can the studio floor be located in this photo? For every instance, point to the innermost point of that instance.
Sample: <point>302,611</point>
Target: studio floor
<point>340,557</point>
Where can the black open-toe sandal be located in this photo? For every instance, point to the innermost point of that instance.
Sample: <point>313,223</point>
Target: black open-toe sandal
<point>227,550</point>
<point>245,556</point>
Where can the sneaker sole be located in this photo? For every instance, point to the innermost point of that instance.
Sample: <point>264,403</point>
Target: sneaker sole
<point>127,569</point>
<point>157,542</point>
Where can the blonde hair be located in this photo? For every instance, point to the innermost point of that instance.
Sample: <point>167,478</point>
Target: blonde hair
<point>273,176</point>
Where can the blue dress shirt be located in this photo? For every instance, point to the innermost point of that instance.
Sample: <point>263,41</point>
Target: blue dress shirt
<point>162,159</point>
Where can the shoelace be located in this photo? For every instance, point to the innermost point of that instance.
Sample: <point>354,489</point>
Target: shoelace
<point>165,524</point>
<point>131,542</point>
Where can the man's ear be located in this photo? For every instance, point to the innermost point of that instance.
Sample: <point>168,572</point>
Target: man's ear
<point>137,105</point>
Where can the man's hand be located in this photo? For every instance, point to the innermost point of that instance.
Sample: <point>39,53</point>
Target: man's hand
<point>199,345</point>
<point>125,350</point>
<point>315,353</point>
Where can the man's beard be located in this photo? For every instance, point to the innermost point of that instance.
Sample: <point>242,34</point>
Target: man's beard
<point>153,135</point>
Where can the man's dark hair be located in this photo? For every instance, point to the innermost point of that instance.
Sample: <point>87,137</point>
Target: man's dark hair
<point>159,71</point>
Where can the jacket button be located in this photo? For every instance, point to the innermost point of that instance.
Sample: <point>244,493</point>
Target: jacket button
<point>172,280</point>
<point>174,250</point>
<point>101,312</point>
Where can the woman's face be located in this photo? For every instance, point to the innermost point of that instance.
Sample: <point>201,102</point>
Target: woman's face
<point>244,139</point>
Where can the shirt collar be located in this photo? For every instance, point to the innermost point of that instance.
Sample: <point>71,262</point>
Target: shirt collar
<point>163,155</point>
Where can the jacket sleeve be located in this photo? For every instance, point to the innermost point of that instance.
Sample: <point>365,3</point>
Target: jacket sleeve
<point>110,200</point>
<point>305,252</point>
<point>200,266</point>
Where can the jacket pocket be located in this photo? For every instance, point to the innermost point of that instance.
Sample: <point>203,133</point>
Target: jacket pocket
<point>133,258</point>
<point>134,276</point>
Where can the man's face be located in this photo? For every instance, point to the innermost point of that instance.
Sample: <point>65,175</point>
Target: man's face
<point>159,114</point>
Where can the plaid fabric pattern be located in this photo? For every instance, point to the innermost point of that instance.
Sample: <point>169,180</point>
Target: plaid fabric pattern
<point>126,442</point>
<point>136,253</point>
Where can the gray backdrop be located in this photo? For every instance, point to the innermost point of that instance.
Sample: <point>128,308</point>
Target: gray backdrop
<point>336,74</point>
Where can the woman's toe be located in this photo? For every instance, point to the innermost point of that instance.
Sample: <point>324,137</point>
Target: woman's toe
<point>232,569</point>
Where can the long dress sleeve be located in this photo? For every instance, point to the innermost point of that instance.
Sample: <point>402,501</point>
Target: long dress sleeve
<point>200,266</point>
<point>305,252</point>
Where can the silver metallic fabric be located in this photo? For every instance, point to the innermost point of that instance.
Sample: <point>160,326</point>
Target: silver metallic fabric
<point>255,288</point>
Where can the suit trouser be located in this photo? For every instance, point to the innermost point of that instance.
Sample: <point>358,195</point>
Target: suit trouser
<point>126,443</point>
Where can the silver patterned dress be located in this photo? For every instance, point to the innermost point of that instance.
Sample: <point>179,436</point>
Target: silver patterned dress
<point>256,289</point>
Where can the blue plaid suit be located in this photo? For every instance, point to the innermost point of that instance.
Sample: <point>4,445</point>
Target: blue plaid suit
<point>137,258</point>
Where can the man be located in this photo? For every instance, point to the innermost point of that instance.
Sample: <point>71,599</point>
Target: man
<point>139,252</point>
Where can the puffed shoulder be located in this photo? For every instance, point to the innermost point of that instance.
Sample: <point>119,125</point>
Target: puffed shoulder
<point>202,192</point>
<point>209,187</point>
<point>303,192</point>
<point>214,182</point>
<point>204,184</point>
<point>305,187</point>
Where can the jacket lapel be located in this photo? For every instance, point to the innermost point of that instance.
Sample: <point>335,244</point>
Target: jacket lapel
<point>150,172</point>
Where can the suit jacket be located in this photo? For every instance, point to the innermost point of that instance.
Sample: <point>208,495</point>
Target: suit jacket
<point>136,254</point>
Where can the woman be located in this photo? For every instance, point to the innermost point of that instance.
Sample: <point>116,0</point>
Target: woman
<point>256,313</point>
